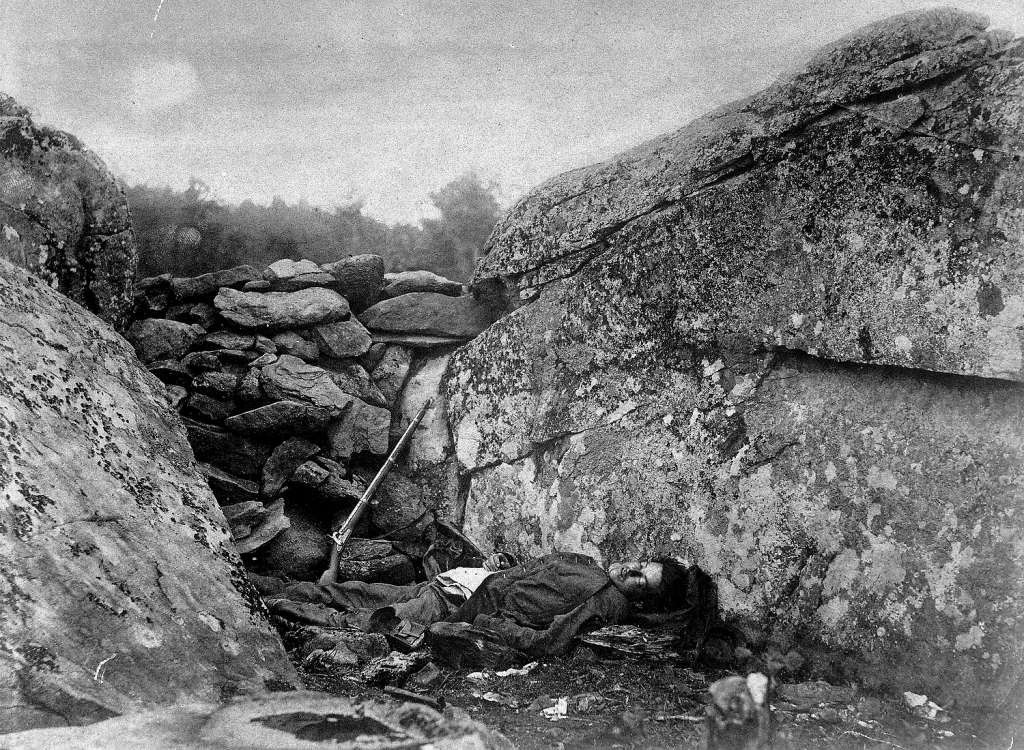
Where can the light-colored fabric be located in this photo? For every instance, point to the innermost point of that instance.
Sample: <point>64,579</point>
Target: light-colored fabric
<point>462,582</point>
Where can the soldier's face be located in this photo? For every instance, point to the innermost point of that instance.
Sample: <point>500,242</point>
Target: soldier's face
<point>636,579</point>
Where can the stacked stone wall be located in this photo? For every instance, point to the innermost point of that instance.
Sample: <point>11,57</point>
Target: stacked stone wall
<point>294,383</point>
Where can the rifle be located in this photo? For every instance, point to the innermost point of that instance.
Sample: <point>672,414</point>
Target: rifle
<point>344,532</point>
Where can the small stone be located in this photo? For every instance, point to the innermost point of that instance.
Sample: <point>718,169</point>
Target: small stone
<point>208,283</point>
<point>394,668</point>
<point>264,345</point>
<point>352,378</point>
<point>156,338</point>
<point>390,373</point>
<point>285,459</point>
<point>227,450</point>
<point>292,343</point>
<point>342,339</point>
<point>359,278</point>
<point>249,391</point>
<point>201,361</point>
<point>221,385</point>
<point>203,314</point>
<point>310,474</point>
<point>171,371</point>
<point>275,311</point>
<point>243,517</point>
<point>428,674</point>
<point>269,527</point>
<point>281,418</point>
<point>227,340</point>
<point>176,396</point>
<point>257,285</point>
<point>302,281</point>
<point>363,428</point>
<point>208,408</point>
<point>264,359</point>
<point>227,488</point>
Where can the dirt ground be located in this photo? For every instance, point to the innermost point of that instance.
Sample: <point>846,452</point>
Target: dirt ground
<point>635,702</point>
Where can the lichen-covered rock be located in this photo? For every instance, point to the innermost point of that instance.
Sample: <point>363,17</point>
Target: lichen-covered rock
<point>430,314</point>
<point>360,279</point>
<point>64,217</point>
<point>157,338</point>
<point>866,208</point>
<point>276,311</point>
<point>114,558</point>
<point>695,370</point>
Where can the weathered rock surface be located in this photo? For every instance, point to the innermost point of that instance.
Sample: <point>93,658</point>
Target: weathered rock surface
<point>696,370</point>
<point>291,378</point>
<point>275,311</point>
<point>346,338</point>
<point>281,418</point>
<point>158,338</point>
<point>390,371</point>
<point>283,462</point>
<point>280,721</point>
<point>227,488</point>
<point>361,428</point>
<point>405,282</point>
<point>429,313</point>
<point>63,216</point>
<point>120,589</point>
<point>235,454</point>
<point>209,283</point>
<point>300,551</point>
<point>360,279</point>
<point>288,269</point>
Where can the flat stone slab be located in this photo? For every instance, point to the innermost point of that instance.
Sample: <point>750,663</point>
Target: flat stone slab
<point>281,418</point>
<point>345,338</point>
<point>429,313</point>
<point>276,311</point>
<point>404,282</point>
<point>209,283</point>
<point>291,378</point>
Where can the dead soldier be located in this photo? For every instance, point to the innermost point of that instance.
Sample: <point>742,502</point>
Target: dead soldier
<point>536,608</point>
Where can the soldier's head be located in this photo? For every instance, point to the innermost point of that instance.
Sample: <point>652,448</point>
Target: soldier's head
<point>659,583</point>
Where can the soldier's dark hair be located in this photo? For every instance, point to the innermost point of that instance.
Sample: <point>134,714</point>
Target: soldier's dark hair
<point>672,594</point>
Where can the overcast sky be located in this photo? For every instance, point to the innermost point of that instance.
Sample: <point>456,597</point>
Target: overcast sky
<point>333,100</point>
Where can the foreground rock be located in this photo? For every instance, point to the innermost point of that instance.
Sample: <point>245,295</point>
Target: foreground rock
<point>281,721</point>
<point>63,215</point>
<point>121,589</point>
<point>680,379</point>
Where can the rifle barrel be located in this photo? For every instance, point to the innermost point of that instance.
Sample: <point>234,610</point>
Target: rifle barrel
<point>341,536</point>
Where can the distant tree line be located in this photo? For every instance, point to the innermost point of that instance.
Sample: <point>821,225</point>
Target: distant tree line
<point>188,232</point>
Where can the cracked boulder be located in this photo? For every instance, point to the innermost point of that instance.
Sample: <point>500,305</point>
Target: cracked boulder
<point>785,342</point>
<point>64,217</point>
<point>120,586</point>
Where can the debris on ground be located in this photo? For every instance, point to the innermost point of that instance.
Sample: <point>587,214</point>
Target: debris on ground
<point>394,668</point>
<point>919,705</point>
<point>629,639</point>
<point>558,711</point>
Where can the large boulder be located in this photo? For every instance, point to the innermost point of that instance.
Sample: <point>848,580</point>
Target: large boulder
<point>63,216</point>
<point>780,342</point>
<point>119,584</point>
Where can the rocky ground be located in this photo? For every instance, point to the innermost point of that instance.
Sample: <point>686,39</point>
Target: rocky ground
<point>642,702</point>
